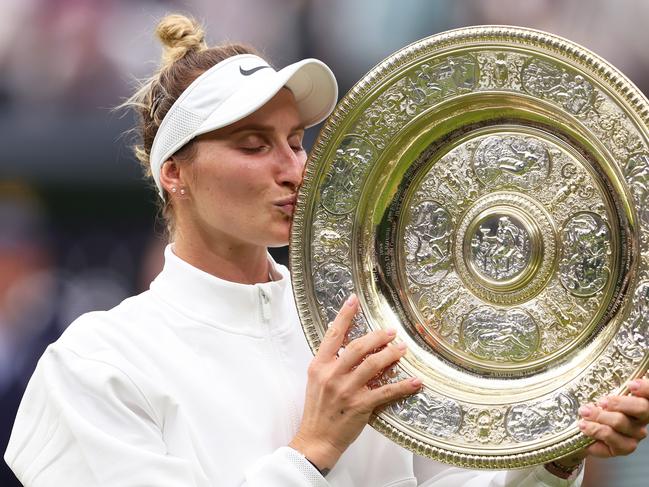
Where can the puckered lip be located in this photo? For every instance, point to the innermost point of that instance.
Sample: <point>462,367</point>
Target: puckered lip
<point>288,200</point>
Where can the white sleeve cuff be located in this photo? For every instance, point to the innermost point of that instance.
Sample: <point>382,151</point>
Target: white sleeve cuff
<point>285,467</point>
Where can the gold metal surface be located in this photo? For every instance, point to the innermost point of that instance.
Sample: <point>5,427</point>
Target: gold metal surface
<point>484,191</point>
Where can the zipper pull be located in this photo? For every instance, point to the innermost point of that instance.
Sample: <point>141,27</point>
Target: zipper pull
<point>265,305</point>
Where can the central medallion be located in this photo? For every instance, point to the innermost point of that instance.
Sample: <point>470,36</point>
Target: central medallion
<point>500,247</point>
<point>505,247</point>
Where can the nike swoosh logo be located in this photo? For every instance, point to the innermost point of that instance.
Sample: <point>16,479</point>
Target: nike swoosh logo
<point>248,72</point>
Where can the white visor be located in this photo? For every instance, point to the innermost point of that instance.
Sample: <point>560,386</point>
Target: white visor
<point>232,90</point>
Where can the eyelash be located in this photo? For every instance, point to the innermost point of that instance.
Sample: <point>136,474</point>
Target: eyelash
<point>255,150</point>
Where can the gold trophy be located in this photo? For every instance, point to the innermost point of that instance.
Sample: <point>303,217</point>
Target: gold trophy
<point>484,191</point>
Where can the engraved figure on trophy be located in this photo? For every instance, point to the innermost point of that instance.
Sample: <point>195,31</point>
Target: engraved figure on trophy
<point>441,417</point>
<point>342,180</point>
<point>584,266</point>
<point>575,183</point>
<point>427,242</point>
<point>499,335</point>
<point>503,255</point>
<point>511,159</point>
<point>527,422</point>
<point>546,80</point>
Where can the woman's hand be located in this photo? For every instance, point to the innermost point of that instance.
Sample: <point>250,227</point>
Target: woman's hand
<point>338,401</point>
<point>617,423</point>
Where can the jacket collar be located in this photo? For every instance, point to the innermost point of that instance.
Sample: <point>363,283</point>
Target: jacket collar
<point>250,309</point>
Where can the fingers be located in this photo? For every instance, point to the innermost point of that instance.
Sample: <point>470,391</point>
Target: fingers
<point>358,349</point>
<point>620,423</point>
<point>336,332</point>
<point>633,406</point>
<point>610,443</point>
<point>640,388</point>
<point>375,363</point>
<point>391,392</point>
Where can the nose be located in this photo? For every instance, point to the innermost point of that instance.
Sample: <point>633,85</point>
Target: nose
<point>291,167</point>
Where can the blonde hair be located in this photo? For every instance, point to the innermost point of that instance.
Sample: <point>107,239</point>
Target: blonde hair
<point>185,56</point>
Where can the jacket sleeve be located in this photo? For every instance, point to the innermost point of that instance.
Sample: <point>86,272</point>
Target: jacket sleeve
<point>439,475</point>
<point>84,422</point>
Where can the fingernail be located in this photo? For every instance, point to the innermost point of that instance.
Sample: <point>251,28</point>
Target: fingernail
<point>415,381</point>
<point>351,300</point>
<point>391,332</point>
<point>634,385</point>
<point>585,411</point>
<point>402,346</point>
<point>603,403</point>
<point>582,425</point>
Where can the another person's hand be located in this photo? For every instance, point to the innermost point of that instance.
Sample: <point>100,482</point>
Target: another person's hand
<point>338,401</point>
<point>617,423</point>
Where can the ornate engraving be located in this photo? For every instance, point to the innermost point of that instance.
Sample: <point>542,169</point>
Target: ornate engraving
<point>412,94</point>
<point>331,236</point>
<point>439,416</point>
<point>527,422</point>
<point>500,70</point>
<point>606,375</point>
<point>500,335</point>
<point>636,172</point>
<point>342,181</point>
<point>511,160</point>
<point>503,254</point>
<point>483,426</point>
<point>584,268</point>
<point>633,339</point>
<point>497,205</point>
<point>332,284</point>
<point>546,79</point>
<point>427,242</point>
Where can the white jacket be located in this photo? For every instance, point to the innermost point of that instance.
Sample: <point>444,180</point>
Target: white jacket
<point>196,382</point>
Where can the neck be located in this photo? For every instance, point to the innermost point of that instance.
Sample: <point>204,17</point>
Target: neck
<point>241,263</point>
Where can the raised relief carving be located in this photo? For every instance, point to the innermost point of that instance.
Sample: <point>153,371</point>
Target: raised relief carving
<point>527,422</point>
<point>633,339</point>
<point>502,252</point>
<point>439,416</point>
<point>548,80</point>
<point>331,236</point>
<point>511,160</point>
<point>332,286</point>
<point>584,268</point>
<point>483,426</point>
<point>342,182</point>
<point>412,94</point>
<point>499,335</point>
<point>427,241</point>
<point>636,172</point>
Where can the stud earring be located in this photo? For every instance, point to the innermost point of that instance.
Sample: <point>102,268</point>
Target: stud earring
<point>182,191</point>
<point>174,189</point>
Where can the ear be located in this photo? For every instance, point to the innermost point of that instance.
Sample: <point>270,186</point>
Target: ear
<point>170,175</point>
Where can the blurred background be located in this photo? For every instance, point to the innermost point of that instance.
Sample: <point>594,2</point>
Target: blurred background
<point>78,223</point>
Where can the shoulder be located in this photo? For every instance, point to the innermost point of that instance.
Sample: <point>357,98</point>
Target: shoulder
<point>113,336</point>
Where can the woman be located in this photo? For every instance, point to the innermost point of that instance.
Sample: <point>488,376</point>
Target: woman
<point>206,379</point>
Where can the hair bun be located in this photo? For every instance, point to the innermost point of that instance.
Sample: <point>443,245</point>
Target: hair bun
<point>179,35</point>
